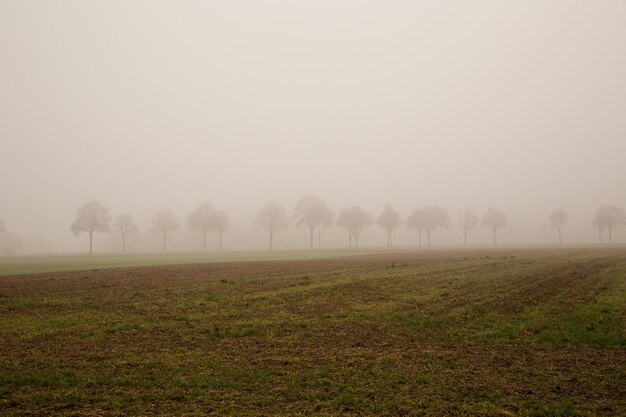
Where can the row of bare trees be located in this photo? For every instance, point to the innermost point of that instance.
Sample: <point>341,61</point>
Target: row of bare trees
<point>313,214</point>
<point>428,219</point>
<point>94,217</point>
<point>608,218</point>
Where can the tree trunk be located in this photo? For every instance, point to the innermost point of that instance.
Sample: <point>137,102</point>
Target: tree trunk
<point>310,238</point>
<point>356,241</point>
<point>610,235</point>
<point>203,240</point>
<point>560,240</point>
<point>90,243</point>
<point>123,244</point>
<point>350,241</point>
<point>220,240</point>
<point>599,237</point>
<point>388,238</point>
<point>420,238</point>
<point>494,237</point>
<point>465,238</point>
<point>164,243</point>
<point>428,237</point>
<point>319,238</point>
<point>271,238</point>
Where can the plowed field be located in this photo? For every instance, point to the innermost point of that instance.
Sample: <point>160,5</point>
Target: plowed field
<point>511,332</point>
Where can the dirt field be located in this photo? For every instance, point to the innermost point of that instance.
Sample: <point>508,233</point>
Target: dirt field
<point>472,332</point>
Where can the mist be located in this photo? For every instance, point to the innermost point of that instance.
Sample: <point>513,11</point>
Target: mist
<point>151,105</point>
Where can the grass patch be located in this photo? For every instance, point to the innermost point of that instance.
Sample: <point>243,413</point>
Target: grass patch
<point>26,265</point>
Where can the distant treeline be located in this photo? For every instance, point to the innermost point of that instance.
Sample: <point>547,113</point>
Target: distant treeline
<point>315,215</point>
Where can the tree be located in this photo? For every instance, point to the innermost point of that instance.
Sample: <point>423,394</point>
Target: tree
<point>609,217</point>
<point>599,227</point>
<point>354,219</point>
<point>558,219</point>
<point>468,221</point>
<point>313,213</point>
<point>200,220</point>
<point>91,218</point>
<point>272,217</point>
<point>163,224</point>
<point>417,221</point>
<point>219,222</point>
<point>436,217</point>
<point>389,219</point>
<point>126,227</point>
<point>428,219</point>
<point>326,223</point>
<point>494,219</point>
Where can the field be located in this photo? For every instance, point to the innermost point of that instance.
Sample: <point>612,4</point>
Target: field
<point>510,332</point>
<point>23,265</point>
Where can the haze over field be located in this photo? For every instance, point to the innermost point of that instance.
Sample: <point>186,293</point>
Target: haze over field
<point>151,105</point>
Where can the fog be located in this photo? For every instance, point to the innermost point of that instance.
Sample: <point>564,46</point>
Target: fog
<point>149,105</point>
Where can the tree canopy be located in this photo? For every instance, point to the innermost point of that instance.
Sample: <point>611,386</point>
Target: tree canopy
<point>468,221</point>
<point>494,219</point>
<point>609,217</point>
<point>558,219</point>
<point>354,219</point>
<point>313,213</point>
<point>273,218</point>
<point>163,224</point>
<point>91,218</point>
<point>125,225</point>
<point>201,220</point>
<point>428,219</point>
<point>389,219</point>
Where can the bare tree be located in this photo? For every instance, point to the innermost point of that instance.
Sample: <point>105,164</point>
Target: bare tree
<point>494,219</point>
<point>2,227</point>
<point>354,219</point>
<point>125,225</point>
<point>428,219</point>
<point>272,217</point>
<point>389,219</point>
<point>326,223</point>
<point>163,224</point>
<point>609,217</point>
<point>417,221</point>
<point>313,213</point>
<point>91,218</point>
<point>219,223</point>
<point>200,220</point>
<point>599,227</point>
<point>468,221</point>
<point>436,217</point>
<point>558,219</point>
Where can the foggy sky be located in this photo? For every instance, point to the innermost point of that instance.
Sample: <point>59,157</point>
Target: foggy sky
<point>148,105</point>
